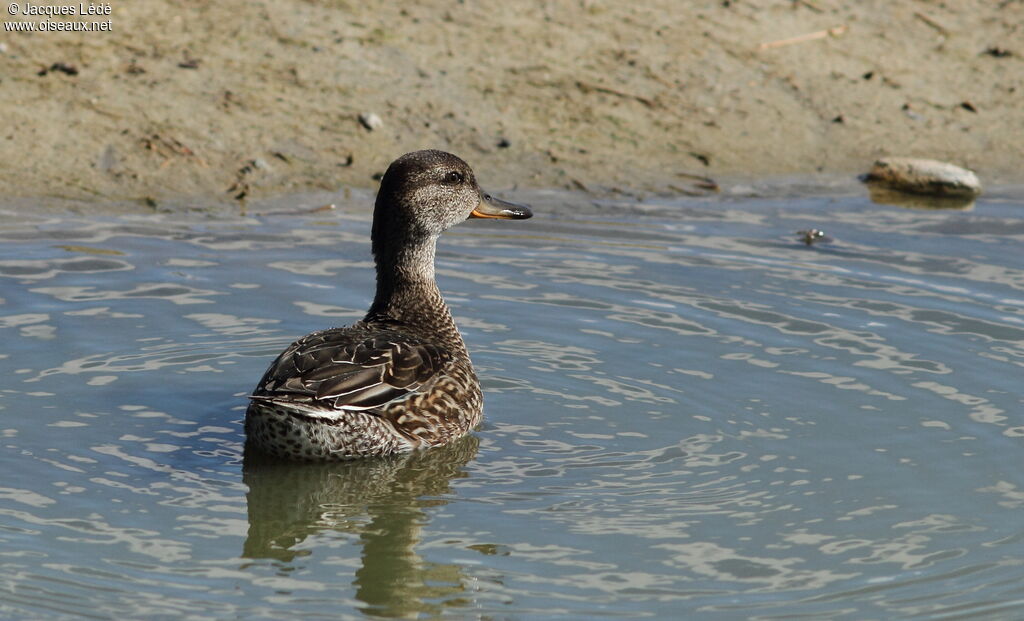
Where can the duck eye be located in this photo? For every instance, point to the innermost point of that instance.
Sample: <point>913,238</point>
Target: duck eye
<point>453,178</point>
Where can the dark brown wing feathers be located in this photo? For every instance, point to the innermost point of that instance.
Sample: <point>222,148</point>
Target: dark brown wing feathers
<point>343,369</point>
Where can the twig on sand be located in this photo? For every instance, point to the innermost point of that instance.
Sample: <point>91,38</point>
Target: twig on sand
<point>811,36</point>
<point>810,5</point>
<point>701,181</point>
<point>932,23</point>
<point>588,88</point>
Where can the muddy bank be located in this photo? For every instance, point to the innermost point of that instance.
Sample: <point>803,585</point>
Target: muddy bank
<point>241,100</point>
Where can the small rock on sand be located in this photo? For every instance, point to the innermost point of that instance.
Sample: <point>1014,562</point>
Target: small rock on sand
<point>370,121</point>
<point>922,176</point>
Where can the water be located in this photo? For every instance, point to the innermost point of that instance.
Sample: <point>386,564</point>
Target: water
<point>688,413</point>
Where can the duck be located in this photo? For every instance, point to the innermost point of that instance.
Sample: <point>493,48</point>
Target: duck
<point>400,379</point>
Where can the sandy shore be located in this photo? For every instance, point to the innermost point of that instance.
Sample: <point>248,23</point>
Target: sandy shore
<point>220,101</point>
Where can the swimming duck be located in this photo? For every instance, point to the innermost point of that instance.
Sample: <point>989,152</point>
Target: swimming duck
<point>400,379</point>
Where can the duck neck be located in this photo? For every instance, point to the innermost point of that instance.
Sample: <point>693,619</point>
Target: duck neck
<point>407,291</point>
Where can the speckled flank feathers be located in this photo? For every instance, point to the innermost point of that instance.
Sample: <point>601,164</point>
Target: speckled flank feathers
<point>401,378</point>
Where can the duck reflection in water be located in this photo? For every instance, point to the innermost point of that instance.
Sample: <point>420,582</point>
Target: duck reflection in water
<point>382,500</point>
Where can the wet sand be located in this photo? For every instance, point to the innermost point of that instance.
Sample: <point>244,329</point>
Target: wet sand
<point>195,103</point>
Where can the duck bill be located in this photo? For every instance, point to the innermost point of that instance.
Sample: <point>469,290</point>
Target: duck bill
<point>491,207</point>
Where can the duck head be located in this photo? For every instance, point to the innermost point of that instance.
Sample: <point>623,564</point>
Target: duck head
<point>424,193</point>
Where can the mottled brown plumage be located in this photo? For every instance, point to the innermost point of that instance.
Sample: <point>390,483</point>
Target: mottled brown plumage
<point>401,378</point>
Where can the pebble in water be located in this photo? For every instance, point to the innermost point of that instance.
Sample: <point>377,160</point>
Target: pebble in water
<point>812,236</point>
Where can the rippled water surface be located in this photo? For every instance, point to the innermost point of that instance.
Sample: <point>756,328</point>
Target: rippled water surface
<point>689,415</point>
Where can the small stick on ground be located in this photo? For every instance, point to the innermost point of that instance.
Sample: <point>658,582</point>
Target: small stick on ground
<point>587,88</point>
<point>932,23</point>
<point>810,5</point>
<point>701,181</point>
<point>811,36</point>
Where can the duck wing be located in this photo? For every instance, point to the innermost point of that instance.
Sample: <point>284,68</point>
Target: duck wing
<point>336,370</point>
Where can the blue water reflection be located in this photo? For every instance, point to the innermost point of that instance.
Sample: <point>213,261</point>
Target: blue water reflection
<point>688,411</point>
